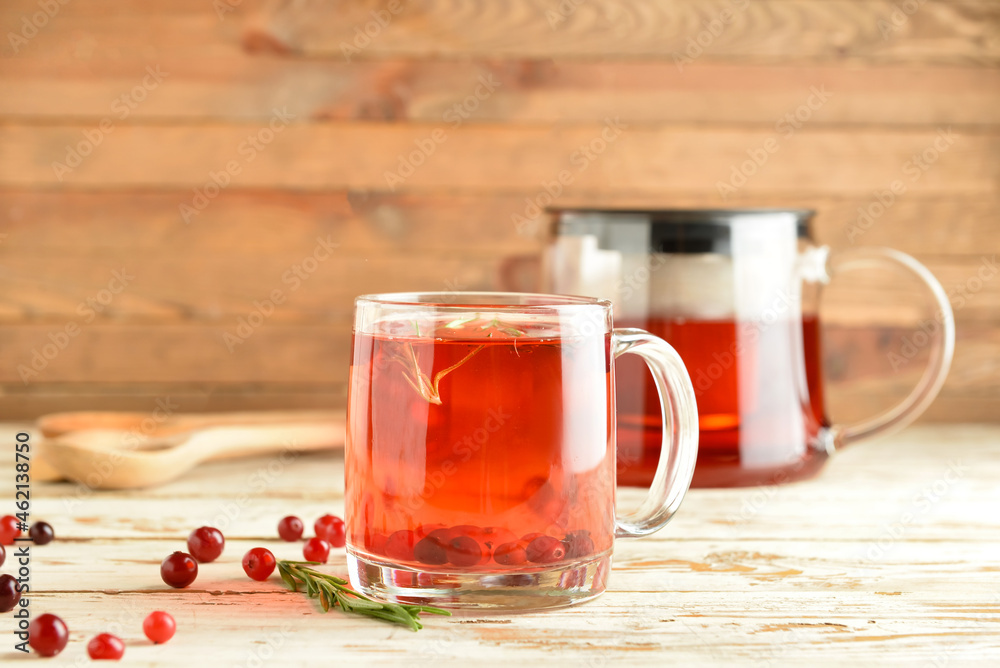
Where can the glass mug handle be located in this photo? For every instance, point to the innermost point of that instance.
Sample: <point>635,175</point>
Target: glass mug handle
<point>679,449</point>
<point>943,341</point>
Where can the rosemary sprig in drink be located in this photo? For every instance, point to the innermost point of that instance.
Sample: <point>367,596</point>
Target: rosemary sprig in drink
<point>420,381</point>
<point>496,324</point>
<point>333,591</point>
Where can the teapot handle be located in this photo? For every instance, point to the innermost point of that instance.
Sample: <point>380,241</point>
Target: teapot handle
<point>942,340</point>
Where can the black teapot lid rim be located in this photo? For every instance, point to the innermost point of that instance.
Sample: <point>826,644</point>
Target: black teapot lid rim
<point>714,216</point>
<point>669,230</point>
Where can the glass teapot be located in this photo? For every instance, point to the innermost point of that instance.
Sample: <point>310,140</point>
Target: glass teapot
<point>736,293</point>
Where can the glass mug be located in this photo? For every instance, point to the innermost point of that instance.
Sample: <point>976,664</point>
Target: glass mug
<point>480,460</point>
<point>736,293</point>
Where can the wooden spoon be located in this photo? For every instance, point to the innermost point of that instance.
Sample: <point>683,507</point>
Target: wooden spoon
<point>113,459</point>
<point>147,424</point>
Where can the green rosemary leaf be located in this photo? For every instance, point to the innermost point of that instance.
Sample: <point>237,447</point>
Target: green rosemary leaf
<point>417,609</point>
<point>405,620</point>
<point>458,322</point>
<point>363,604</point>
<point>333,591</point>
<point>330,593</point>
<point>287,577</point>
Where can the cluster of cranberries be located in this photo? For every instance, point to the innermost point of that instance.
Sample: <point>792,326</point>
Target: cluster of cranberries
<point>204,544</point>
<point>330,533</point>
<point>48,635</point>
<point>259,562</point>
<point>40,532</point>
<point>468,545</point>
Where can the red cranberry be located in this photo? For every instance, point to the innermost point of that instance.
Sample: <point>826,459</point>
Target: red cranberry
<point>47,635</point>
<point>510,554</point>
<point>331,529</point>
<point>545,550</point>
<point>490,538</point>
<point>206,544</point>
<point>106,646</point>
<point>443,536</point>
<point>478,534</point>
<point>179,570</point>
<point>493,537</point>
<point>430,550</point>
<point>259,563</point>
<point>41,533</point>
<point>376,542</point>
<point>316,549</point>
<point>9,529</point>
<point>425,530</point>
<point>400,545</point>
<point>291,528</point>
<point>578,544</point>
<point>464,551</point>
<point>10,592</point>
<point>159,626</point>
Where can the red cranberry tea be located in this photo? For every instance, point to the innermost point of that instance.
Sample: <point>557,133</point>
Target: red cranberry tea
<point>478,444</point>
<point>752,412</point>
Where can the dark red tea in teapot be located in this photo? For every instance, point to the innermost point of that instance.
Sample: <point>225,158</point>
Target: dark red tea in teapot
<point>739,412</point>
<point>736,293</point>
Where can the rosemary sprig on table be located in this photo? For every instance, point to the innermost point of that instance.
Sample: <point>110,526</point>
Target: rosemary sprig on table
<point>333,591</point>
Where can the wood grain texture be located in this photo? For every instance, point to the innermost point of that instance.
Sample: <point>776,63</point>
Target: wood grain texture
<point>253,222</point>
<point>764,576</point>
<point>639,159</point>
<point>171,289</point>
<point>641,29</point>
<point>763,31</point>
<point>242,88</point>
<point>219,290</point>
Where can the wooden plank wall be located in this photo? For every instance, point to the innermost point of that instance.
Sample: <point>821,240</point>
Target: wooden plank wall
<point>121,260</point>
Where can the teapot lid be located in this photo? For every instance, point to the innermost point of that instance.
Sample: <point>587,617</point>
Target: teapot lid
<point>671,230</point>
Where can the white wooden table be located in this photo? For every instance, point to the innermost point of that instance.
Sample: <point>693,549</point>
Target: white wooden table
<point>891,556</point>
